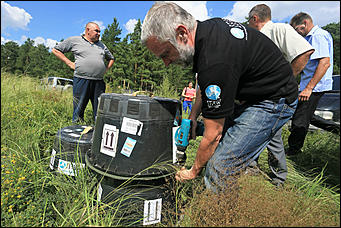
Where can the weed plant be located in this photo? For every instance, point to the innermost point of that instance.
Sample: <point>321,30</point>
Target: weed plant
<point>32,195</point>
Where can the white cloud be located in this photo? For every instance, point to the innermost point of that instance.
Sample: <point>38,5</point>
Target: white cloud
<point>322,12</point>
<point>4,40</point>
<point>38,40</point>
<point>130,25</point>
<point>13,17</point>
<point>198,9</point>
<point>48,42</point>
<point>19,42</point>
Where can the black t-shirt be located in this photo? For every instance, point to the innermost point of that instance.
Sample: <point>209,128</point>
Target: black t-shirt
<point>234,61</point>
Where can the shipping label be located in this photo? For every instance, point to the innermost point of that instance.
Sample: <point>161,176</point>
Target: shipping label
<point>68,168</point>
<point>131,126</point>
<point>128,146</point>
<point>109,140</point>
<point>152,211</point>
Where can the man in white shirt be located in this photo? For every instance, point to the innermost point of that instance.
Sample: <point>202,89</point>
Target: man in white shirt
<point>297,51</point>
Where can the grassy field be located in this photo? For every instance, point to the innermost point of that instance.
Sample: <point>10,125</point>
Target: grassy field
<point>31,195</point>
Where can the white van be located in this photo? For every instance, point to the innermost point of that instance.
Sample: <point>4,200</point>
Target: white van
<point>58,83</point>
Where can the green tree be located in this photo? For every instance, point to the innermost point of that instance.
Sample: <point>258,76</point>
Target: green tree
<point>23,61</point>
<point>115,76</point>
<point>334,30</point>
<point>38,57</point>
<point>9,55</point>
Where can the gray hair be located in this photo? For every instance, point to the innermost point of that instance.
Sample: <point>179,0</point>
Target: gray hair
<point>262,11</point>
<point>299,18</point>
<point>162,20</point>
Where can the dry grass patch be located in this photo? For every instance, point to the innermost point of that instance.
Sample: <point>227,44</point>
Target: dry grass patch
<point>258,203</point>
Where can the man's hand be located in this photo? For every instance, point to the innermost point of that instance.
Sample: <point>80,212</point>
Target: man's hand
<point>185,174</point>
<point>72,65</point>
<point>305,94</point>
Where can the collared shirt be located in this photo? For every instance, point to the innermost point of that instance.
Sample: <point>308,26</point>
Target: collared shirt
<point>89,57</point>
<point>322,41</point>
<point>287,39</point>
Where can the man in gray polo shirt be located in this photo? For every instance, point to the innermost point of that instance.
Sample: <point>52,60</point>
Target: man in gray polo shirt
<point>89,68</point>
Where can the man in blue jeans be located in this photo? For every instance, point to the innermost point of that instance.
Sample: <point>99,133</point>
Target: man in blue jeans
<point>233,62</point>
<point>89,68</point>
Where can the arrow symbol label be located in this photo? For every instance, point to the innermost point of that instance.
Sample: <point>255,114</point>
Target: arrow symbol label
<point>109,140</point>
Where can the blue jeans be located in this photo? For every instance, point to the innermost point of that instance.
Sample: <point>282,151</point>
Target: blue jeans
<point>187,104</point>
<point>83,91</point>
<point>249,132</point>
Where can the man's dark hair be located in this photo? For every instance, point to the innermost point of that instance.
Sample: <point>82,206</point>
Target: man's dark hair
<point>299,18</point>
<point>262,11</point>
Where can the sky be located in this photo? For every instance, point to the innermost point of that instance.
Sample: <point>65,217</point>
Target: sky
<point>48,22</point>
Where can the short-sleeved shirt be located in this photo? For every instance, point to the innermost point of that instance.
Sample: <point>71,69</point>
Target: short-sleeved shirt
<point>189,92</point>
<point>322,41</point>
<point>236,62</point>
<point>287,39</point>
<point>89,58</point>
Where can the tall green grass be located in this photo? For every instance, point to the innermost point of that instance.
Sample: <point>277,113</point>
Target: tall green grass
<point>31,195</point>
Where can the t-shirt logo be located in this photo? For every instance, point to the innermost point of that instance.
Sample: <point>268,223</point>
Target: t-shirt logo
<point>237,32</point>
<point>213,92</point>
<point>237,29</point>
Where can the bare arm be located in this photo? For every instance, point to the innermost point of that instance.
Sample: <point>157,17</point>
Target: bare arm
<point>111,62</point>
<point>207,146</point>
<point>62,57</point>
<point>321,69</point>
<point>183,92</point>
<point>300,61</point>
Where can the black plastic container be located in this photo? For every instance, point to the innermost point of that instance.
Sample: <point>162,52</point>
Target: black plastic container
<point>138,202</point>
<point>69,149</point>
<point>133,136</point>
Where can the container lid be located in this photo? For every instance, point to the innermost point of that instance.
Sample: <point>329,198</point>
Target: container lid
<point>76,134</point>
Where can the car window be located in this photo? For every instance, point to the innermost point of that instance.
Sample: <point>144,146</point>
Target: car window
<point>61,82</point>
<point>50,81</point>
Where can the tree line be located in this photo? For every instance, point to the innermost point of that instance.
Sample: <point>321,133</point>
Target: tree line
<point>135,67</point>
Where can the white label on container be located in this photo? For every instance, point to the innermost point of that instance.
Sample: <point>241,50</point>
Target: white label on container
<point>75,135</point>
<point>131,126</point>
<point>152,211</point>
<point>128,147</point>
<point>109,140</point>
<point>68,168</point>
<point>53,157</point>
<point>175,149</point>
<point>99,192</point>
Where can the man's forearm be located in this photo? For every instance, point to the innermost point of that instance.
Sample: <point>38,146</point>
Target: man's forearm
<point>208,144</point>
<point>111,62</point>
<point>62,57</point>
<point>300,61</point>
<point>320,71</point>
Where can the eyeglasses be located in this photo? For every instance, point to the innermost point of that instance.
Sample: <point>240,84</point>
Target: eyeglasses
<point>96,30</point>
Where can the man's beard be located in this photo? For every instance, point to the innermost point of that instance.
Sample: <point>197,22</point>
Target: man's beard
<point>186,54</point>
